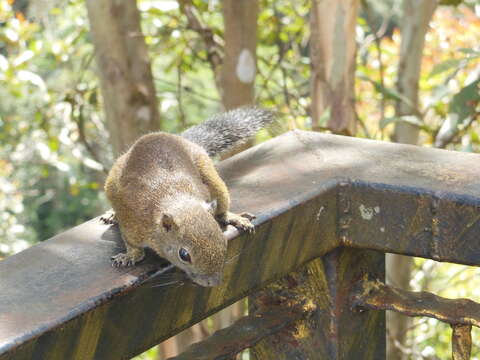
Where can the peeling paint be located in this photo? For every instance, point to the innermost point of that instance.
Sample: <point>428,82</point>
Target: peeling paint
<point>246,69</point>
<point>320,211</point>
<point>368,213</point>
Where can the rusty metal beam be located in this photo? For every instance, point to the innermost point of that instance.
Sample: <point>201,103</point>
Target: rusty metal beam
<point>246,332</point>
<point>333,331</point>
<point>461,341</point>
<point>311,193</point>
<point>461,314</point>
<point>374,294</point>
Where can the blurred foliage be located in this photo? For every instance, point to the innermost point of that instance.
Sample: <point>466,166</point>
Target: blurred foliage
<point>450,67</point>
<point>53,144</point>
<point>48,181</point>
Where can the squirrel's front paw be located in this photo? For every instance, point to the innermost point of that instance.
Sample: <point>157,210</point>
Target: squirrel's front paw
<point>109,218</point>
<point>241,221</point>
<point>128,259</point>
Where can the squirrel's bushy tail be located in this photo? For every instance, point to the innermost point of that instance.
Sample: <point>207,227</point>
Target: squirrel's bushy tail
<point>223,131</point>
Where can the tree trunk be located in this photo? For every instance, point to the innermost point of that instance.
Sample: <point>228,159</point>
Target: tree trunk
<point>416,17</point>
<point>399,270</point>
<point>333,50</point>
<point>124,69</point>
<point>239,63</point>
<point>239,66</point>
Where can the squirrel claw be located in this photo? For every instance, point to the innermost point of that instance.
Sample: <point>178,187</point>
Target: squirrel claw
<point>120,260</point>
<point>241,221</point>
<point>124,260</point>
<point>109,218</point>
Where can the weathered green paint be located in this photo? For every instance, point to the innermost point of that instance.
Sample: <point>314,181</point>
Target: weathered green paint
<point>333,331</point>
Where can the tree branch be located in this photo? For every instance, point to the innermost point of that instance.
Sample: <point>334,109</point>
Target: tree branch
<point>212,46</point>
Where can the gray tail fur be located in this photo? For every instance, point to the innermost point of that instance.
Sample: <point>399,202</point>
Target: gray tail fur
<point>223,131</point>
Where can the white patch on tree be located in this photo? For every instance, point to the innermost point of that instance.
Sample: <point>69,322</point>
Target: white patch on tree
<point>245,69</point>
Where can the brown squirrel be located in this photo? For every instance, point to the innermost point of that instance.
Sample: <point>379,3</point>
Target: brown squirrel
<point>167,195</point>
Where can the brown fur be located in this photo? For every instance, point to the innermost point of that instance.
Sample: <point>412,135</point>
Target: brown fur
<point>162,191</point>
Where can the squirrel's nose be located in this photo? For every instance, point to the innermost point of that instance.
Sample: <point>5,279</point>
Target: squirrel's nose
<point>215,280</point>
<point>207,280</point>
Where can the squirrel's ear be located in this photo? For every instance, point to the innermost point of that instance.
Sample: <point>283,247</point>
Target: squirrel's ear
<point>168,222</point>
<point>211,206</point>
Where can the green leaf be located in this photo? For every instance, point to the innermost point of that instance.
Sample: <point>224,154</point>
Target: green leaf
<point>465,102</point>
<point>53,144</point>
<point>474,136</point>
<point>438,94</point>
<point>410,119</point>
<point>155,11</point>
<point>469,51</point>
<point>388,93</point>
<point>445,66</point>
<point>323,119</point>
<point>38,117</point>
<point>56,11</point>
<point>450,2</point>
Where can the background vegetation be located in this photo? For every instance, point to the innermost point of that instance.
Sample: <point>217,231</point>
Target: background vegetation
<point>54,139</point>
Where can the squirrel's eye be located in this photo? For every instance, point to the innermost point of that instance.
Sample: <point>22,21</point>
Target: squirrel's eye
<point>184,255</point>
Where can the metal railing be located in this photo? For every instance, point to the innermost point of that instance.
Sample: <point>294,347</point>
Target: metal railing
<point>328,208</point>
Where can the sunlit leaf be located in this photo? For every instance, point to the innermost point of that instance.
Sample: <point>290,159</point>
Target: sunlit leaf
<point>389,93</point>
<point>465,102</point>
<point>437,94</point>
<point>56,11</point>
<point>450,2</point>
<point>410,119</point>
<point>38,116</point>
<point>474,136</point>
<point>32,78</point>
<point>470,51</point>
<point>445,66</point>
<point>3,63</point>
<point>53,144</point>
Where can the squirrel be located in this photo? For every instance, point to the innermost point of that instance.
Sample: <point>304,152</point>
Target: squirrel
<point>167,195</point>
